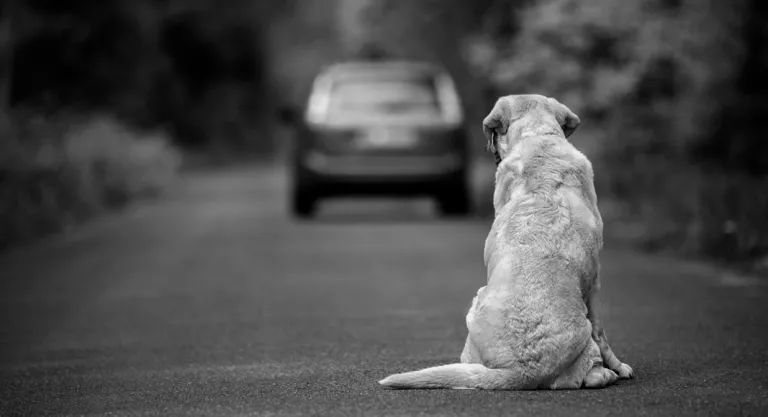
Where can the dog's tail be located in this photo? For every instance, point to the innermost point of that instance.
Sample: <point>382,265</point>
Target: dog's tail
<point>457,376</point>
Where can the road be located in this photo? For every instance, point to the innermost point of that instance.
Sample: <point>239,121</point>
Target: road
<point>214,302</point>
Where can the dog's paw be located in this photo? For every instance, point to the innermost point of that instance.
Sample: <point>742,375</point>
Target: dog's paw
<point>625,372</point>
<point>599,377</point>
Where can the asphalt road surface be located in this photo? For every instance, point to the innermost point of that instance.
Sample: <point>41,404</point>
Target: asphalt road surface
<point>214,302</point>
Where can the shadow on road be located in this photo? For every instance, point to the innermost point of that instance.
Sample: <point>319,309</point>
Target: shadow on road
<point>349,211</point>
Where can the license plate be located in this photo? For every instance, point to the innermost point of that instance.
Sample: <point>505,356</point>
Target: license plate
<point>386,138</point>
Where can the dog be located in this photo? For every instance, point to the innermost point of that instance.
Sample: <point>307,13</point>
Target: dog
<point>534,324</point>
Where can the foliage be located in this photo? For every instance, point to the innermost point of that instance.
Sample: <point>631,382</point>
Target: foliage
<point>171,63</point>
<point>120,79</point>
<point>62,170</point>
<point>656,84</point>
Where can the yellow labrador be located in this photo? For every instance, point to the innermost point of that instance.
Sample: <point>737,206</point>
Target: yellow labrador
<point>534,326</point>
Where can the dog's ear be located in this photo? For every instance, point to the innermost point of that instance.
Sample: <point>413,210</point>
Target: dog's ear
<point>495,124</point>
<point>567,119</point>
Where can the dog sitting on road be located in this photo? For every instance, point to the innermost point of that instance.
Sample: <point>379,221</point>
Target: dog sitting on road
<point>534,325</point>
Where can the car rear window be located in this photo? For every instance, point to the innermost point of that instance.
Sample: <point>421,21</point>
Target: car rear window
<point>384,98</point>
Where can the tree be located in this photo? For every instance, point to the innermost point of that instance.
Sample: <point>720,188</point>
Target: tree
<point>736,143</point>
<point>6,56</point>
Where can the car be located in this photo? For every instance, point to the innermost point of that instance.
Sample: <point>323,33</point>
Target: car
<point>380,128</point>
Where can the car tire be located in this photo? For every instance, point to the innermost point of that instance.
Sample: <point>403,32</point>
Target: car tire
<point>303,204</point>
<point>304,198</point>
<point>454,199</point>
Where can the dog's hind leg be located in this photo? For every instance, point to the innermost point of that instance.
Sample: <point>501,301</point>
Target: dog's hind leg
<point>470,353</point>
<point>598,335</point>
<point>597,376</point>
<point>585,371</point>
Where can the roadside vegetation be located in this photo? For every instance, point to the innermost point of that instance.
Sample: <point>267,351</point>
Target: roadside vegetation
<point>672,103</point>
<point>99,103</point>
<point>58,173</point>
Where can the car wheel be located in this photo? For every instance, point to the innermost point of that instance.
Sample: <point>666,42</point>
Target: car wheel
<point>303,204</point>
<point>454,199</point>
<point>304,198</point>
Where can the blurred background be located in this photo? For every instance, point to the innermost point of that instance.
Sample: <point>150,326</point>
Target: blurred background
<point>103,103</point>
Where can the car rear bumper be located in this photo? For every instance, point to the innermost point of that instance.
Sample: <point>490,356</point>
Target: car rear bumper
<point>390,167</point>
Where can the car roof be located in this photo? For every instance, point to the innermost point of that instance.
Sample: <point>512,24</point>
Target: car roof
<point>355,69</point>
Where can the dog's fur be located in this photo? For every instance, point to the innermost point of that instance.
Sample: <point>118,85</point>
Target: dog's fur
<point>534,324</point>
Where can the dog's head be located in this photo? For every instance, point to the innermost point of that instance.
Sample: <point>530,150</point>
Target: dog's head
<point>531,110</point>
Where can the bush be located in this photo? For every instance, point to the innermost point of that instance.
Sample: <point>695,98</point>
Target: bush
<point>62,170</point>
<point>692,212</point>
<point>116,164</point>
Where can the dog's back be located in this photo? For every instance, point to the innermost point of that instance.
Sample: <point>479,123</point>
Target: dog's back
<point>545,202</point>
